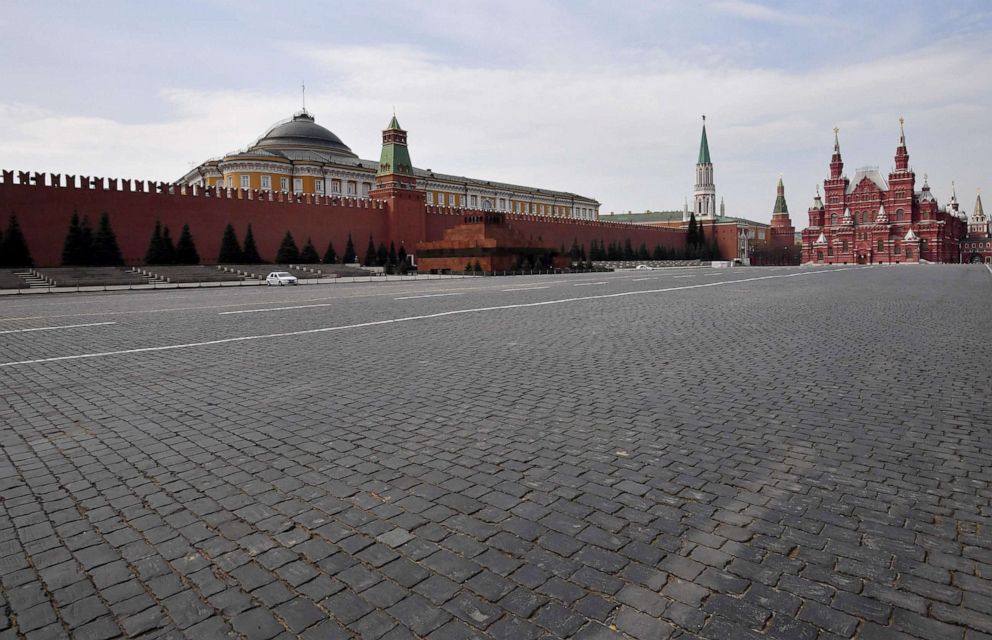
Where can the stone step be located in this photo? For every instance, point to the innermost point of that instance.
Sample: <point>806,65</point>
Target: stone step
<point>34,279</point>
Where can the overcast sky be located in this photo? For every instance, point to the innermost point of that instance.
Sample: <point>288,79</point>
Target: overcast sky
<point>599,98</point>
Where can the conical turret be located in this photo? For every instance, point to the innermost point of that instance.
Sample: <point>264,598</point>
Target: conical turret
<point>836,162</point>
<point>902,154</point>
<point>817,200</point>
<point>705,194</point>
<point>395,156</point>
<point>780,204</point>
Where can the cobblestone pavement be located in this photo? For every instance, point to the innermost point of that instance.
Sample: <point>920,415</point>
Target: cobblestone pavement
<point>737,454</point>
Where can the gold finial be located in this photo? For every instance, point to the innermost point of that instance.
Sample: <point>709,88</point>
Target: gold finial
<point>303,88</point>
<point>817,191</point>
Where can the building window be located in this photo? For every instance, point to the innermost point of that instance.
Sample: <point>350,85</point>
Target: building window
<point>430,197</point>
<point>335,186</point>
<point>923,246</point>
<point>352,188</point>
<point>909,252</point>
<point>899,214</point>
<point>502,204</point>
<point>246,182</point>
<point>819,256</point>
<point>267,183</point>
<point>833,218</point>
<point>298,185</point>
<point>475,201</point>
<point>843,246</point>
<point>284,184</point>
<point>881,245</point>
<point>366,187</point>
<point>230,182</point>
<point>830,250</point>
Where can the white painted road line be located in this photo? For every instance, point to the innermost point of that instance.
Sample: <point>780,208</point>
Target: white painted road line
<point>431,316</point>
<point>643,279</point>
<point>987,266</point>
<point>65,326</point>
<point>302,306</point>
<point>429,295</point>
<point>683,276</point>
<point>525,289</point>
<point>588,284</point>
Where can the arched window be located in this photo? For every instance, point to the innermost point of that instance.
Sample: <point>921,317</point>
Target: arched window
<point>833,218</point>
<point>899,215</point>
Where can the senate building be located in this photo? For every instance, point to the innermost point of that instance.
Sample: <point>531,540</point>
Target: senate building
<point>300,156</point>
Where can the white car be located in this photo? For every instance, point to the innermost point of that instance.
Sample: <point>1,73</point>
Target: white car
<point>280,278</point>
<point>643,266</point>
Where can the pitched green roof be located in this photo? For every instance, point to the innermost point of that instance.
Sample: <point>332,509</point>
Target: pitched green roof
<point>780,204</point>
<point>394,123</point>
<point>704,149</point>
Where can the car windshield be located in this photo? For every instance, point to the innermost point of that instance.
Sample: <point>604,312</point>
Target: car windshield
<point>282,274</point>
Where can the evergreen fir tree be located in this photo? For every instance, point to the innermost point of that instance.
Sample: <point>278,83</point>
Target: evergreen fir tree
<point>86,240</point>
<point>155,254</point>
<point>288,252</point>
<point>382,255</point>
<point>230,248</point>
<point>582,254</point>
<point>370,257</point>
<point>392,258</point>
<point>715,250</point>
<point>106,253</point>
<point>330,256</point>
<point>14,247</point>
<point>659,253</point>
<point>477,267</point>
<point>628,250</point>
<point>185,248</point>
<point>308,255</point>
<point>575,253</point>
<point>701,237</point>
<point>468,267</point>
<point>691,231</point>
<point>642,252</point>
<point>168,247</point>
<point>250,255</point>
<point>73,251</point>
<point>349,252</point>
<point>401,260</point>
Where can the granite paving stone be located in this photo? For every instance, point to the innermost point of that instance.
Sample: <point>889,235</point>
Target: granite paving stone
<point>800,457</point>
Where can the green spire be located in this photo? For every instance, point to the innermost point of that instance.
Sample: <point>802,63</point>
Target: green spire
<point>704,147</point>
<point>395,157</point>
<point>780,205</point>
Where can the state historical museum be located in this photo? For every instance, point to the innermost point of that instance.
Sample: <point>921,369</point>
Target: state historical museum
<point>874,220</point>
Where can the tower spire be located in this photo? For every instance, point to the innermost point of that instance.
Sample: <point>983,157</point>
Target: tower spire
<point>836,162</point>
<point>705,194</point>
<point>303,88</point>
<point>902,155</point>
<point>704,147</point>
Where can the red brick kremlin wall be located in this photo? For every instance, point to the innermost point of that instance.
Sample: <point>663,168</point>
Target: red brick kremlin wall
<point>562,231</point>
<point>45,203</point>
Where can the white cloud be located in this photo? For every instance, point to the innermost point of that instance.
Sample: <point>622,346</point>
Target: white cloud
<point>625,133</point>
<point>761,13</point>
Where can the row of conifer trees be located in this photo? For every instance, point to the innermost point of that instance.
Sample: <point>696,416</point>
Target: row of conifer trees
<point>234,252</point>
